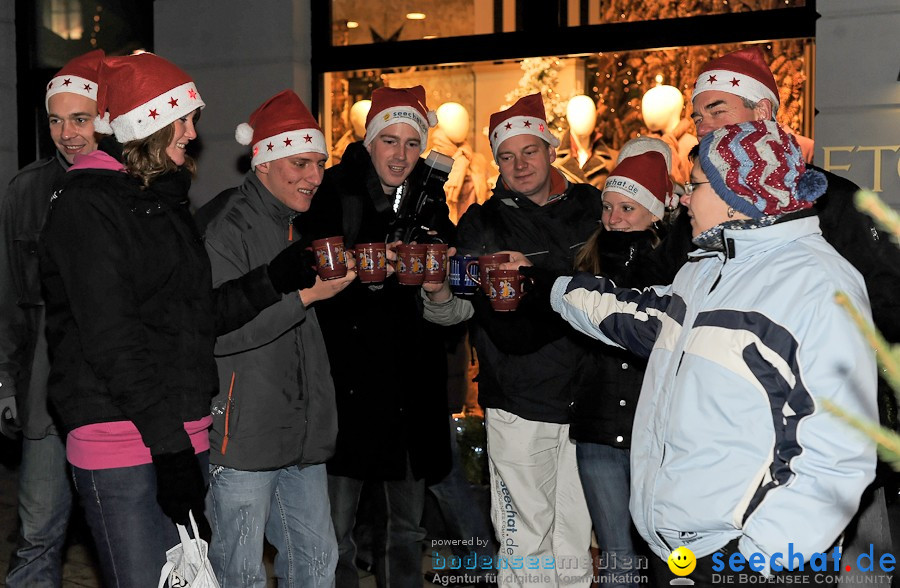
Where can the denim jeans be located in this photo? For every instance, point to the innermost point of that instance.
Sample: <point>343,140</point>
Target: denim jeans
<point>130,530</point>
<point>605,474</point>
<point>288,507</point>
<point>398,563</point>
<point>45,503</point>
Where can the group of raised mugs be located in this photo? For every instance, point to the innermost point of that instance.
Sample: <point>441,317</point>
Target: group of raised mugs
<point>419,264</point>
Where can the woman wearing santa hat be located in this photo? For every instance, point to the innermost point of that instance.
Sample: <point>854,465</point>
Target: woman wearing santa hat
<point>637,198</point>
<point>132,319</point>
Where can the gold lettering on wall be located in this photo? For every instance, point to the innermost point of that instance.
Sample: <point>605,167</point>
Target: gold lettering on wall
<point>876,150</point>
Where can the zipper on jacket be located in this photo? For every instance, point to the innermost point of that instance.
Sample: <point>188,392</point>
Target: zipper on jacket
<point>228,413</point>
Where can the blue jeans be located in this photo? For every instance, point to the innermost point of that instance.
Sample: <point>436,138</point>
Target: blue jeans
<point>130,530</point>
<point>45,503</point>
<point>289,507</point>
<point>605,473</point>
<point>398,563</point>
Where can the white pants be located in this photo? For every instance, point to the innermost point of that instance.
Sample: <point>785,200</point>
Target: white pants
<point>537,505</point>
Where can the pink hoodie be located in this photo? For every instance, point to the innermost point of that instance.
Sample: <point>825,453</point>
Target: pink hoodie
<point>96,160</point>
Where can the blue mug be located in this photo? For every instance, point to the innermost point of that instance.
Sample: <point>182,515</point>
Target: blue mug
<point>461,268</point>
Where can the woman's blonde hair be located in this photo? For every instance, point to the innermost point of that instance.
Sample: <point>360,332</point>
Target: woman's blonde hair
<point>147,159</point>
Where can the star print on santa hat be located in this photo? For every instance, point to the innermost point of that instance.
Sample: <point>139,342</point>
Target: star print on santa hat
<point>277,125</point>
<point>80,75</point>
<point>150,94</point>
<point>526,117</point>
<point>743,73</point>
<point>192,94</point>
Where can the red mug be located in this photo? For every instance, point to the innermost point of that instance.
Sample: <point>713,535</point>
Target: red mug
<point>331,260</point>
<point>371,262</point>
<point>411,264</point>
<point>505,289</point>
<point>435,263</point>
<point>486,264</point>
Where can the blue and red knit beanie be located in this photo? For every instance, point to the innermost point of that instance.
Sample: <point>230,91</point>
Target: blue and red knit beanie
<point>757,169</point>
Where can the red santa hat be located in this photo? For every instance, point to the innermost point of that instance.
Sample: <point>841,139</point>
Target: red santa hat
<point>281,127</point>
<point>145,93</point>
<point>399,105</point>
<point>80,76</point>
<point>645,179</point>
<point>743,73</point>
<point>526,117</point>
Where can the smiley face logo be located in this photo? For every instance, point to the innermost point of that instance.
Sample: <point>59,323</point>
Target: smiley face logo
<point>682,561</point>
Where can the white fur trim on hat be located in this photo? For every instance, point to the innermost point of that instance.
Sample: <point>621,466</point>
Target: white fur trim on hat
<point>637,192</point>
<point>73,85</point>
<point>287,144</point>
<point>521,125</point>
<point>398,114</point>
<point>739,84</point>
<point>155,114</point>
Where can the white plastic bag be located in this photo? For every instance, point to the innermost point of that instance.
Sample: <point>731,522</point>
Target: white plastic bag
<point>187,564</point>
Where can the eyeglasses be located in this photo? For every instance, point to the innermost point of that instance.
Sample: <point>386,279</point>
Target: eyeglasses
<point>689,187</point>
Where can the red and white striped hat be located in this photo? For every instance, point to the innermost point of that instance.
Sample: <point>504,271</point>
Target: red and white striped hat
<point>281,127</point>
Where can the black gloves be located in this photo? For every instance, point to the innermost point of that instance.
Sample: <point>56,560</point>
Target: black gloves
<point>537,291</point>
<point>293,269</point>
<point>180,487</point>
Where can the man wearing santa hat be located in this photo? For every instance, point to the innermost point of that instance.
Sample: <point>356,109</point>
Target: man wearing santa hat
<point>274,419</point>
<point>392,397</point>
<point>535,214</point>
<point>45,495</point>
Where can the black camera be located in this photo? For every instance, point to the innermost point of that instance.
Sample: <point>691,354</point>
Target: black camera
<point>422,205</point>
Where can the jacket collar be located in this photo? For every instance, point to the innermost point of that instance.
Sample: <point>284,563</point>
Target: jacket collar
<point>273,206</point>
<point>559,190</point>
<point>742,245</point>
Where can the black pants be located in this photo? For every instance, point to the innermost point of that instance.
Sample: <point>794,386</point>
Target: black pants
<point>704,576</point>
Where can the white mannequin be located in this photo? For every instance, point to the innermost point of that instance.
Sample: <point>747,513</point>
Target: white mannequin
<point>582,116</point>
<point>467,182</point>
<point>454,119</point>
<point>356,132</point>
<point>358,113</point>
<point>662,108</point>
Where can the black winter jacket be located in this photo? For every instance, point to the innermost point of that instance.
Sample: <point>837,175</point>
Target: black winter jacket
<point>24,366</point>
<point>131,313</point>
<point>388,363</point>
<point>603,411</point>
<point>538,385</point>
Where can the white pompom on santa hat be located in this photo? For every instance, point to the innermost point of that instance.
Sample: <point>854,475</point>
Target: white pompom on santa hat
<point>145,93</point>
<point>645,179</point>
<point>526,117</point>
<point>281,127</point>
<point>81,75</point>
<point>399,105</point>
